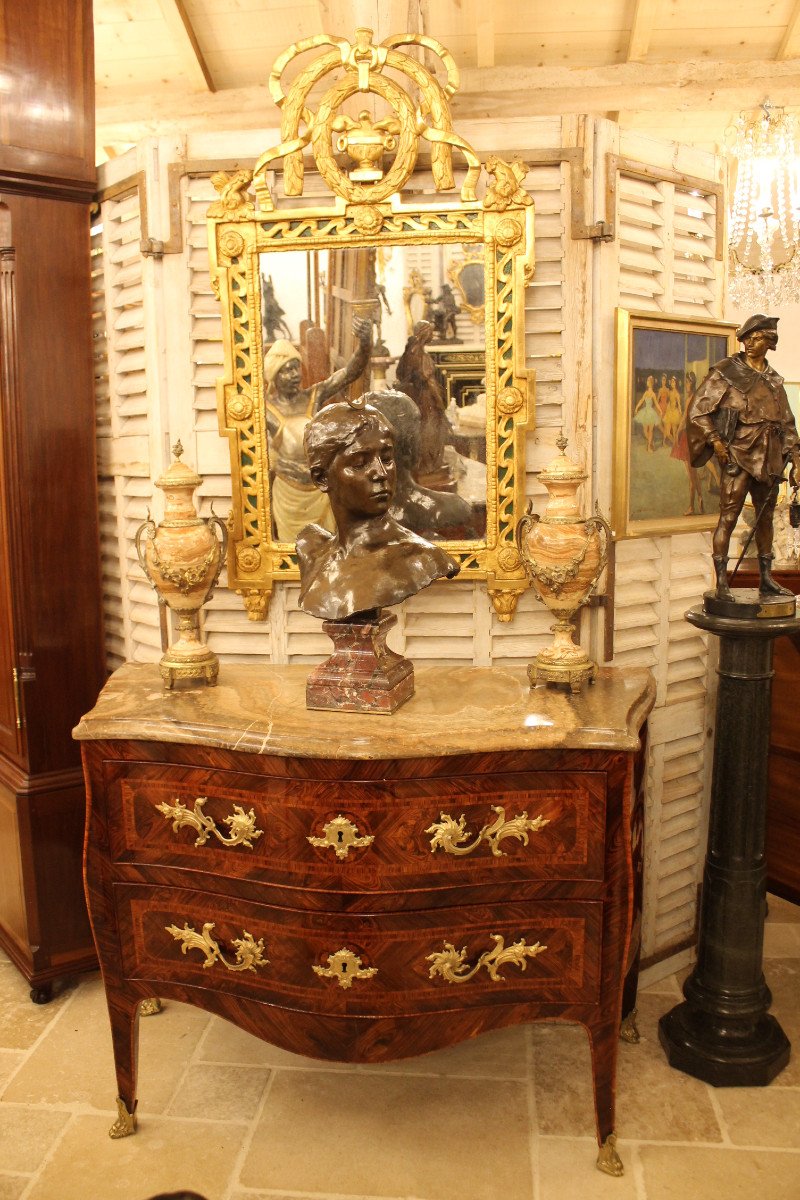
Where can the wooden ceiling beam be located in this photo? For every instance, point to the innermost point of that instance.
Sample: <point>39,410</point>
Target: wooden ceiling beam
<point>790,43</point>
<point>180,27</point>
<point>484,33</point>
<point>631,86</point>
<point>642,25</point>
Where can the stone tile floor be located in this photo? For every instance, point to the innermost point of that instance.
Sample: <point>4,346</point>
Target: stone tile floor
<point>506,1117</point>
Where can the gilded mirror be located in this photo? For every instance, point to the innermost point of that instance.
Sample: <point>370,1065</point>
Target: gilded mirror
<point>399,280</point>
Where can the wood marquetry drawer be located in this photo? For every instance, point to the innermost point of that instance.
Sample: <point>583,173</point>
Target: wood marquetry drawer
<point>387,835</point>
<point>429,961</point>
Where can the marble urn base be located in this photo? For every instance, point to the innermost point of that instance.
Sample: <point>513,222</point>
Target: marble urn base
<point>362,674</point>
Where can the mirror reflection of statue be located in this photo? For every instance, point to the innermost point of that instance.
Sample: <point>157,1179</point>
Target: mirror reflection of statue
<point>443,312</point>
<point>273,317</point>
<point>416,376</point>
<point>430,513</point>
<point>289,408</point>
<point>371,560</point>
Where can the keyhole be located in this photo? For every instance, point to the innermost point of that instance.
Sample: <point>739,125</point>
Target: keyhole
<point>340,836</point>
<point>343,968</point>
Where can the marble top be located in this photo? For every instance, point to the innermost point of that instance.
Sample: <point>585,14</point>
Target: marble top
<point>455,710</point>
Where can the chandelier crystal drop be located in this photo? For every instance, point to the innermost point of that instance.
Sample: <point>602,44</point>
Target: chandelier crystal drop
<point>764,245</point>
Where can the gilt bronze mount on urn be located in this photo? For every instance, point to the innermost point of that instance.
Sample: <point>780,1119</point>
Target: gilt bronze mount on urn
<point>182,558</point>
<point>564,555</point>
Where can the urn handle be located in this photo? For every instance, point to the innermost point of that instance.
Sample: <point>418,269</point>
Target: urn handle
<point>215,522</point>
<point>148,528</point>
<point>603,528</point>
<point>524,524</point>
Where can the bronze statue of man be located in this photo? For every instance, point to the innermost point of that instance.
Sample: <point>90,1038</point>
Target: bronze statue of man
<point>371,560</point>
<point>741,414</point>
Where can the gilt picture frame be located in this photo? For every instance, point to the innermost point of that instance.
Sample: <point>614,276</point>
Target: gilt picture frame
<point>661,360</point>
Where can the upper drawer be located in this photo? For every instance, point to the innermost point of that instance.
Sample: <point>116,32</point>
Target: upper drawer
<point>391,835</point>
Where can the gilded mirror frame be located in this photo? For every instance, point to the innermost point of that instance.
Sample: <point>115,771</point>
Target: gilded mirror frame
<point>245,223</point>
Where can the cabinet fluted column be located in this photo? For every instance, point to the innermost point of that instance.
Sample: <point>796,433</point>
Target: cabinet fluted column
<point>722,1032</point>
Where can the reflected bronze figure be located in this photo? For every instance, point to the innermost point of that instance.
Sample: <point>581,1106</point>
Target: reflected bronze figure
<point>371,561</point>
<point>416,376</point>
<point>741,414</point>
<point>439,515</point>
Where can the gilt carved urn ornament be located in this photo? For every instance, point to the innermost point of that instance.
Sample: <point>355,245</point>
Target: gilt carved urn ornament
<point>564,555</point>
<point>182,558</point>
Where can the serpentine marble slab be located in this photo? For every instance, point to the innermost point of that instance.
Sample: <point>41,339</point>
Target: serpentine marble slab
<point>456,710</point>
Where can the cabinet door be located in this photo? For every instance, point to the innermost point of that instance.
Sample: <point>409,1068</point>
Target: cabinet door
<point>10,736</point>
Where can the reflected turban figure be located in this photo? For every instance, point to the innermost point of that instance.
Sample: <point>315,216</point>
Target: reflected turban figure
<point>289,408</point>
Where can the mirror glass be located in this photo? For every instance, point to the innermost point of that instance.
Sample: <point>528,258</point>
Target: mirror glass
<point>337,322</point>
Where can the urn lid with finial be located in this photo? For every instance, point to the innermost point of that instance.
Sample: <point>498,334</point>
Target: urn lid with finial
<point>178,483</point>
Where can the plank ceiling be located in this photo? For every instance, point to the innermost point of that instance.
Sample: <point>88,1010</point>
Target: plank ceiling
<point>674,68</point>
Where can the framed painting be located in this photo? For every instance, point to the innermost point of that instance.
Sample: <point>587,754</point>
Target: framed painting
<point>660,362</point>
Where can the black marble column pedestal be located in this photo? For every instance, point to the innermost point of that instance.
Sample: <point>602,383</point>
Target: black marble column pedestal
<point>722,1032</point>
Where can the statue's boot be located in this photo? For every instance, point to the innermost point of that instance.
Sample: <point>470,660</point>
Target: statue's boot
<point>769,586</point>
<point>721,571</point>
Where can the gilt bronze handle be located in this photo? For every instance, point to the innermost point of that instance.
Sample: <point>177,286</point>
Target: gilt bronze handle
<point>451,964</point>
<point>249,952</point>
<point>449,833</point>
<point>242,825</point>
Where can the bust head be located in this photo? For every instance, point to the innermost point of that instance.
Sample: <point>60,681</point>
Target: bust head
<point>350,452</point>
<point>372,560</point>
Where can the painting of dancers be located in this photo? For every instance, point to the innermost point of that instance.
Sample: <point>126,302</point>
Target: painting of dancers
<point>661,361</point>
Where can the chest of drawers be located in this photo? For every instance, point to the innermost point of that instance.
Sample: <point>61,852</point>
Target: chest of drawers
<point>367,888</point>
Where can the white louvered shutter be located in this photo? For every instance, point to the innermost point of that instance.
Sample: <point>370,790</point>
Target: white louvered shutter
<point>125,491</point>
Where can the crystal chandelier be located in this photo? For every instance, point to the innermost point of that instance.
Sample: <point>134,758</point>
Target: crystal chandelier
<point>763,242</point>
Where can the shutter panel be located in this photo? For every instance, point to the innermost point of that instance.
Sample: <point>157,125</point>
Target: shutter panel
<point>132,628</point>
<point>667,243</point>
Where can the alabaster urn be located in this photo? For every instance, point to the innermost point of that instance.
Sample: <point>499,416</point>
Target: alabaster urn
<point>182,557</point>
<point>564,555</point>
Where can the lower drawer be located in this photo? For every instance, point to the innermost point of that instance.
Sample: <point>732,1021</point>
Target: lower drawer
<point>389,964</point>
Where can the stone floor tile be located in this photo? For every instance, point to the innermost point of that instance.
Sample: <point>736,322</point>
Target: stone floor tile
<point>75,1063</point>
<point>22,1021</point>
<point>696,1173</point>
<point>163,1156</point>
<point>26,1136</point>
<point>654,1101</point>
<point>782,911</point>
<point>498,1054</point>
<point>762,1117</point>
<point>781,941</point>
<point>9,1061</point>
<point>668,986</point>
<point>12,1186</point>
<point>219,1093</point>
<point>783,976</point>
<point>387,1135</point>
<point>567,1171</point>
<point>562,1073</point>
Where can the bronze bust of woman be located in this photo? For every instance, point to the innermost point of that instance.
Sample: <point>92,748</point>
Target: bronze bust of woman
<point>371,560</point>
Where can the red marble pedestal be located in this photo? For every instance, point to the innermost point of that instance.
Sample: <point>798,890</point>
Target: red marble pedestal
<point>362,674</point>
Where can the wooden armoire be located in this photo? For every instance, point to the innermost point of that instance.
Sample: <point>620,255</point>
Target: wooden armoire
<point>51,663</point>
